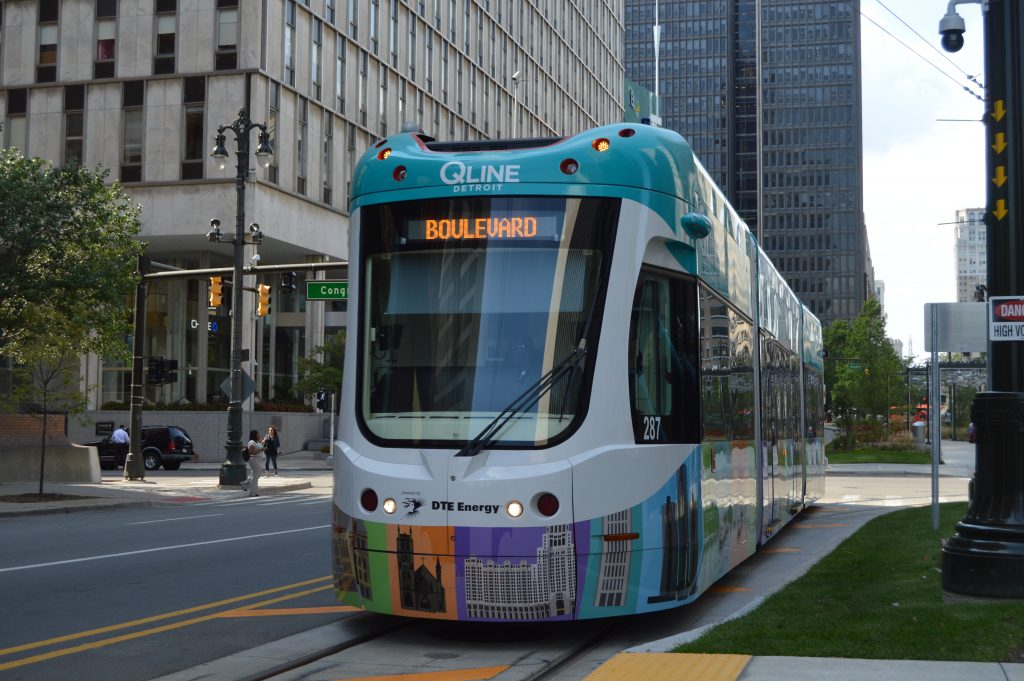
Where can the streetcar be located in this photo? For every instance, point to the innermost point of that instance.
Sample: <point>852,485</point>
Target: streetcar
<point>575,387</point>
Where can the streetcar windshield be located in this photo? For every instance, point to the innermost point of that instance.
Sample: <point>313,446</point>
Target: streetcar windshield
<point>467,302</point>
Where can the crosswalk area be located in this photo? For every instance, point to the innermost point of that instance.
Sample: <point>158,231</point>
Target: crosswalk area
<point>896,500</point>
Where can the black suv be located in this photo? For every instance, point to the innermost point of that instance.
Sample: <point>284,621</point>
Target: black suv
<point>161,445</point>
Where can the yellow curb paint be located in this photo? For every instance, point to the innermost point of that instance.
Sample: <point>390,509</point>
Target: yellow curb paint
<point>671,667</point>
<point>148,632</point>
<point>782,550</point>
<point>290,611</point>
<point>478,674</point>
<point>728,589</point>
<point>155,618</point>
<point>818,526</point>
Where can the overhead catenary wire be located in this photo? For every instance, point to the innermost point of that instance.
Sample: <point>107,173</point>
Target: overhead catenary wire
<point>966,88</point>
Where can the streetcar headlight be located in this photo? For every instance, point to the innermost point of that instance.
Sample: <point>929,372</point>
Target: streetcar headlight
<point>514,509</point>
<point>390,506</point>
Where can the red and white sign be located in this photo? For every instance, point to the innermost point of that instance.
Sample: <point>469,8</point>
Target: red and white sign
<point>1006,318</point>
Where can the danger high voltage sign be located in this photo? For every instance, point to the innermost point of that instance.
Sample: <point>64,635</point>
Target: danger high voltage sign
<point>1006,322</point>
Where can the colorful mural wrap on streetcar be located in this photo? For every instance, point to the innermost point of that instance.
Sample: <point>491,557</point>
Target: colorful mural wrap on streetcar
<point>655,555</point>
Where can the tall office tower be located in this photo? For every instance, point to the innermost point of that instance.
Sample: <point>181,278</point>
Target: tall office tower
<point>971,256</point>
<point>780,135</point>
<point>141,86</point>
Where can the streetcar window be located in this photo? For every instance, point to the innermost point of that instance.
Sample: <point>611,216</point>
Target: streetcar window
<point>468,302</point>
<point>663,378</point>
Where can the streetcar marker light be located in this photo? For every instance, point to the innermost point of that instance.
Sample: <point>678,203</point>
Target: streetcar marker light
<point>602,144</point>
<point>569,166</point>
<point>390,506</point>
<point>622,536</point>
<point>514,509</point>
<point>399,173</point>
<point>384,153</point>
<point>369,500</point>
<point>627,132</point>
<point>547,504</point>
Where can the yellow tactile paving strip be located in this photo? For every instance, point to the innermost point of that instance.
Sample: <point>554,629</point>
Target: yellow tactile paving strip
<point>671,667</point>
<point>478,674</point>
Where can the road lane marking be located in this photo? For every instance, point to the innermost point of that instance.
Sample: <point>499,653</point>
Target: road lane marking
<point>158,548</point>
<point>168,520</point>
<point>478,674</point>
<point>148,632</point>
<point>157,618</point>
<point>291,611</point>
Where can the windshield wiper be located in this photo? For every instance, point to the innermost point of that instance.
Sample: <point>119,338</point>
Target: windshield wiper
<point>526,400</point>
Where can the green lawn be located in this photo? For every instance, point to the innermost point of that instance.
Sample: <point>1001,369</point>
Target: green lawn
<point>878,596</point>
<point>878,456</point>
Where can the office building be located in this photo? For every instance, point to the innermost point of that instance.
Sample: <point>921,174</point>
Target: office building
<point>969,251</point>
<point>781,135</point>
<point>141,86</point>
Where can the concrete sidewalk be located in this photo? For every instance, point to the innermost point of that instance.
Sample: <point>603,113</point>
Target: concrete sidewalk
<point>296,470</point>
<point>957,457</point>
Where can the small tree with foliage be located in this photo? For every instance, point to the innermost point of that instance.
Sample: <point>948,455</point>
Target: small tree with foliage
<point>324,367</point>
<point>68,259</point>
<point>865,375</point>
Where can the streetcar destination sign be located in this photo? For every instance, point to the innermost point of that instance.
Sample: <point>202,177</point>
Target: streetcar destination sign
<point>327,290</point>
<point>1007,318</point>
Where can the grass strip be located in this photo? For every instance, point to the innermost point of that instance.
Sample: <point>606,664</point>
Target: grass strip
<point>878,596</point>
<point>878,456</point>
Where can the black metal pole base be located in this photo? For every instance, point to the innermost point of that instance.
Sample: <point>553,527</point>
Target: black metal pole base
<point>232,473</point>
<point>986,556</point>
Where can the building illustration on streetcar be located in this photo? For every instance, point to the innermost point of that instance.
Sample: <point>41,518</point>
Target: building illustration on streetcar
<point>575,385</point>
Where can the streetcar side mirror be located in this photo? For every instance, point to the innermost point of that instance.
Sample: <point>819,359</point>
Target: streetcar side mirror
<point>696,225</point>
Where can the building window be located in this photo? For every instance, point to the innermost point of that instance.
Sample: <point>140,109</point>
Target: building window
<point>16,130</point>
<point>46,64</point>
<point>166,36</point>
<point>428,63</point>
<point>353,19</point>
<point>132,101</point>
<point>327,159</point>
<point>329,11</point>
<point>106,33</point>
<point>74,123</point>
<point>382,100</point>
<point>272,117</point>
<point>393,33</point>
<point>289,43</point>
<point>339,75</point>
<point>227,35</point>
<point>374,11</point>
<point>364,60</point>
<point>412,49</point>
<point>314,63</point>
<point>300,147</point>
<point>193,154</point>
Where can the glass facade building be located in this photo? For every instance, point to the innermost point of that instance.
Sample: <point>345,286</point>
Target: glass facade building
<point>781,135</point>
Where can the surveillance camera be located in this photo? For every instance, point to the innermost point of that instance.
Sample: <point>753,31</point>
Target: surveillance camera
<point>255,258</point>
<point>952,28</point>
<point>215,223</point>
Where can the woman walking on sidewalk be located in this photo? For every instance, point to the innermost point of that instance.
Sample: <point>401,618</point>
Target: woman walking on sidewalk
<point>255,451</point>
<point>271,445</point>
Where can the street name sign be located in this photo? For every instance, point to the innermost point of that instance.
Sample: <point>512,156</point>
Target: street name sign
<point>326,290</point>
<point>1006,321</point>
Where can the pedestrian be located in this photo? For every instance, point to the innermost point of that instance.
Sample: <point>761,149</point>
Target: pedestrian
<point>970,432</point>
<point>255,450</point>
<point>271,446</point>
<point>120,440</point>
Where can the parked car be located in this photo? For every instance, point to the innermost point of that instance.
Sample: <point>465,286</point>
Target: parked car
<point>165,446</point>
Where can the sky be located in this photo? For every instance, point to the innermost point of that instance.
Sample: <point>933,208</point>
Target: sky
<point>918,170</point>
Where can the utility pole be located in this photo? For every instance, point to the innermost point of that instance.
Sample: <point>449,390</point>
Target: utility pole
<point>986,556</point>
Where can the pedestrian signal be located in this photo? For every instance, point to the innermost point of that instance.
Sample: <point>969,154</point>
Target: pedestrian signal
<point>263,304</point>
<point>288,282</point>
<point>216,291</point>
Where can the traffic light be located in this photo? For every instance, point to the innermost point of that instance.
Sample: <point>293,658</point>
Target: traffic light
<point>170,371</point>
<point>155,373</point>
<point>321,400</point>
<point>263,304</point>
<point>288,282</point>
<point>216,291</point>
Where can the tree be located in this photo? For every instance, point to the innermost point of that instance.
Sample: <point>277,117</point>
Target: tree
<point>68,260</point>
<point>866,376</point>
<point>324,367</point>
<point>68,257</point>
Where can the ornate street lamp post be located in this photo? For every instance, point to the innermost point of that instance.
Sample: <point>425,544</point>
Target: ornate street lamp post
<point>232,471</point>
